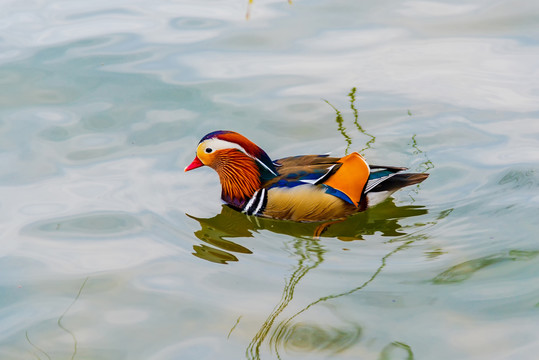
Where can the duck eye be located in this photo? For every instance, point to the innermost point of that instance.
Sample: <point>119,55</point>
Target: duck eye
<point>208,150</point>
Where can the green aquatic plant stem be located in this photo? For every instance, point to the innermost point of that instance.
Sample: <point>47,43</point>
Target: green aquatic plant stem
<point>342,129</point>
<point>61,326</point>
<point>234,327</point>
<point>427,164</point>
<point>37,348</point>
<point>352,96</point>
<point>283,325</point>
<point>75,342</point>
<point>305,248</point>
<point>339,119</point>
<point>387,351</point>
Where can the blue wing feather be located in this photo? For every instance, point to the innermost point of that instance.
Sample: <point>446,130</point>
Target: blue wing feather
<point>338,193</point>
<point>379,174</point>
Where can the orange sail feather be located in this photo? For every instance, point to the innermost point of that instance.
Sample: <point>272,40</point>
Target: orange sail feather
<point>351,177</point>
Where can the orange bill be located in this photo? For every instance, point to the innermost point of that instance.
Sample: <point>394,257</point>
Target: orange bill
<point>196,163</point>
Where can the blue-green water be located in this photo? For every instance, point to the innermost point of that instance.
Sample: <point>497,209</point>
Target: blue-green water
<point>108,250</point>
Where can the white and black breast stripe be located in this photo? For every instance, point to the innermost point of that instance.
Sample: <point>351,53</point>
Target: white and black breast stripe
<point>257,203</point>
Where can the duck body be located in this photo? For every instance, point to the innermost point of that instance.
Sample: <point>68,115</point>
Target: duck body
<point>299,188</point>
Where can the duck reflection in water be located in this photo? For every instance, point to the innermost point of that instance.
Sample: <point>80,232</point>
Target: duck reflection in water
<point>217,247</point>
<point>215,232</point>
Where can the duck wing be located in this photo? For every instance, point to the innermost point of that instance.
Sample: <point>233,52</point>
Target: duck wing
<point>343,177</point>
<point>303,169</point>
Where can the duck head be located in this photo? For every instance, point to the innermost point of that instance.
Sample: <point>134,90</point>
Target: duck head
<point>242,166</point>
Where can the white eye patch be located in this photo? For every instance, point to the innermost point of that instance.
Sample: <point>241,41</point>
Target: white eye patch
<point>211,145</point>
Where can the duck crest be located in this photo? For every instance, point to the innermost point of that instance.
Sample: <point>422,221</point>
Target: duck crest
<point>266,167</point>
<point>240,177</point>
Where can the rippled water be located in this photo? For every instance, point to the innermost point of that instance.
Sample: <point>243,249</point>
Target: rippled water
<point>110,251</point>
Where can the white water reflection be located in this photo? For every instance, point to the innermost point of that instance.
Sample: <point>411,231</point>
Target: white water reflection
<point>454,71</point>
<point>420,9</point>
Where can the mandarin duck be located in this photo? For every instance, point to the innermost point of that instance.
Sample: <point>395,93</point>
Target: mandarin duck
<point>303,188</point>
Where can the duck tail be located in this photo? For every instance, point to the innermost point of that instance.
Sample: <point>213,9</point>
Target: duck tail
<point>398,181</point>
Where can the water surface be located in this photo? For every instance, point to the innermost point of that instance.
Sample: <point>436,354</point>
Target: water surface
<point>109,251</point>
